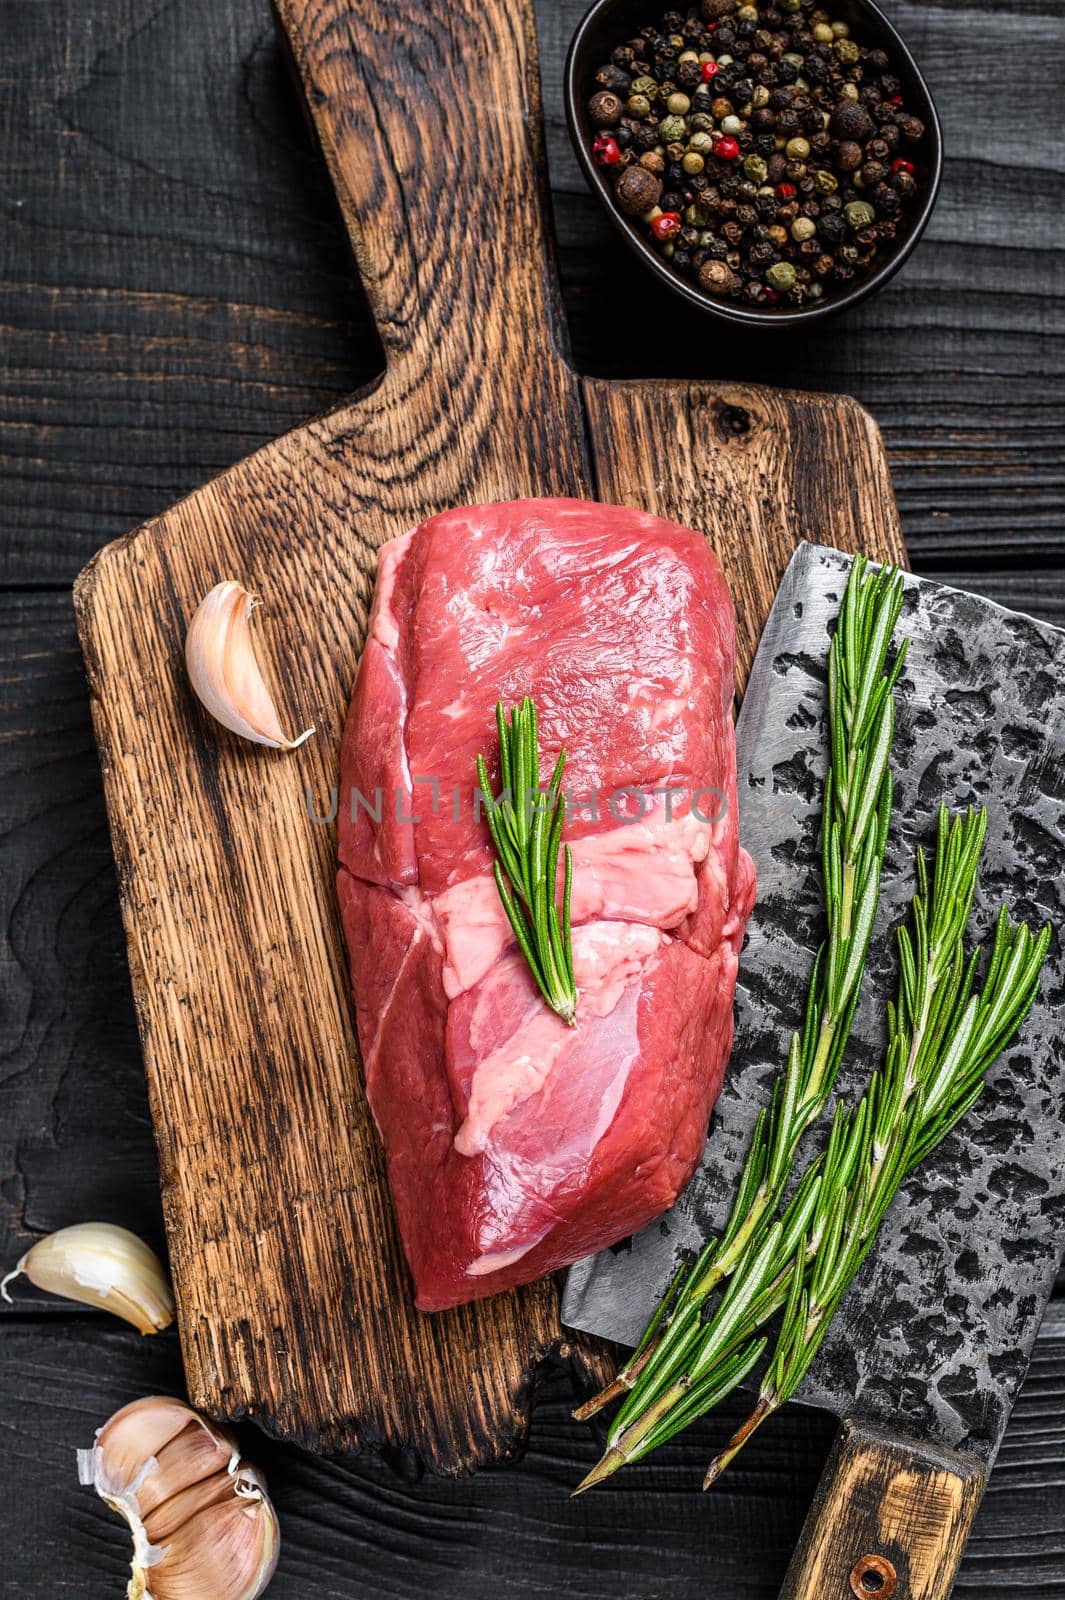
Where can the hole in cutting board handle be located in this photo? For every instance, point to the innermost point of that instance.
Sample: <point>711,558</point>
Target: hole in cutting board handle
<point>873,1578</point>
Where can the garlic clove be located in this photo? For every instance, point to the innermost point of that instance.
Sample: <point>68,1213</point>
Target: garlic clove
<point>230,1548</point>
<point>197,1452</point>
<point>161,1523</point>
<point>201,1520</point>
<point>101,1265</point>
<point>224,671</point>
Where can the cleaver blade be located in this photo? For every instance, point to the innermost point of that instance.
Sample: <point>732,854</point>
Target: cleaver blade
<point>930,1346</point>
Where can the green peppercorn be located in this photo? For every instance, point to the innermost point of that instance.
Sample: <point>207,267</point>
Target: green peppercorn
<point>760,97</point>
<point>803,228</point>
<point>692,163</point>
<point>678,105</point>
<point>781,277</point>
<point>755,169</point>
<point>823,33</point>
<point>638,105</point>
<point>670,129</point>
<point>645,86</point>
<point>700,123</point>
<point>791,5</point>
<point>841,30</point>
<point>687,55</point>
<point>825,182</point>
<point>747,14</point>
<point>701,141</point>
<point>847,51</point>
<point>859,214</point>
<point>696,215</point>
<point>797,149</point>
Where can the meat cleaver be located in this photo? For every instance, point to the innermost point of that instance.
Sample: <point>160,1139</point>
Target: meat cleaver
<point>930,1347</point>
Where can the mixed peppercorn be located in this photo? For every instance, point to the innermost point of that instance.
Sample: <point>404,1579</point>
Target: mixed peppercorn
<point>766,153</point>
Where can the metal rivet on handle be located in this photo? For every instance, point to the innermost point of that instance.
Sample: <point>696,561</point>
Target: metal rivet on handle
<point>873,1578</point>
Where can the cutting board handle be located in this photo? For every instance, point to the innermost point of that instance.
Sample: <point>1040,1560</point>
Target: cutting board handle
<point>429,118</point>
<point>889,1520</point>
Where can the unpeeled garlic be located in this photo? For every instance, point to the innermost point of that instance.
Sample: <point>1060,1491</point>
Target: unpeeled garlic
<point>101,1265</point>
<point>202,1523</point>
<point>224,672</point>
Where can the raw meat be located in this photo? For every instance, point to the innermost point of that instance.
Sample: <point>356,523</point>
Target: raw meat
<point>515,1145</point>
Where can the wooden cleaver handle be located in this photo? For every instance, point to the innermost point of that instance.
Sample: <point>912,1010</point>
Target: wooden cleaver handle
<point>889,1520</point>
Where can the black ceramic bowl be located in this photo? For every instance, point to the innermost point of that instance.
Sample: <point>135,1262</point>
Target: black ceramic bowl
<point>610,22</point>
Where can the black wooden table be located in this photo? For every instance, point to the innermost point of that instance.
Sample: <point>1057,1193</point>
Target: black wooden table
<point>175,289</point>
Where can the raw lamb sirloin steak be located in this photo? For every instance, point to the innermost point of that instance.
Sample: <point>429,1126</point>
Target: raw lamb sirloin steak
<point>516,1144</point>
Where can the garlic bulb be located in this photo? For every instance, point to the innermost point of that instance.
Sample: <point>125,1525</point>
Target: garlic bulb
<point>224,672</point>
<point>202,1523</point>
<point>101,1265</point>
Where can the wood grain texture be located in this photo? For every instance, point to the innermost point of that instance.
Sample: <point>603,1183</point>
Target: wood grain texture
<point>890,1517</point>
<point>366,1527</point>
<point>759,469</point>
<point>238,971</point>
<point>176,289</point>
<point>272,1173</point>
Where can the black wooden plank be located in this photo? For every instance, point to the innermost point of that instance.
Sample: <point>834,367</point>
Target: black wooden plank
<point>175,286</point>
<point>75,1136</point>
<point>360,1528</point>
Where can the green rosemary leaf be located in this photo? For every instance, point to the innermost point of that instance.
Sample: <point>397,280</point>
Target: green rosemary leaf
<point>525,825</point>
<point>943,1034</point>
<point>857,803</point>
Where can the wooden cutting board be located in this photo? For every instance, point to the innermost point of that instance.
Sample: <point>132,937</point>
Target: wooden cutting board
<point>293,1298</point>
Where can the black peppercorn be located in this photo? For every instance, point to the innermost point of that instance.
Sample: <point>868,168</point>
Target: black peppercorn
<point>763,119</point>
<point>887,200</point>
<point>637,190</point>
<point>605,109</point>
<point>905,185</point>
<point>848,156</point>
<point>874,172</point>
<point>614,79</point>
<point>831,228</point>
<point>912,129</point>
<point>852,121</point>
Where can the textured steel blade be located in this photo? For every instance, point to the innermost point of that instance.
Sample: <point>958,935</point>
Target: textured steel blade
<point>934,1337</point>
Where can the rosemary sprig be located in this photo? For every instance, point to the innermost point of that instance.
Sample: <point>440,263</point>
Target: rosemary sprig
<point>857,807</point>
<point>942,1040</point>
<point>526,827</point>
